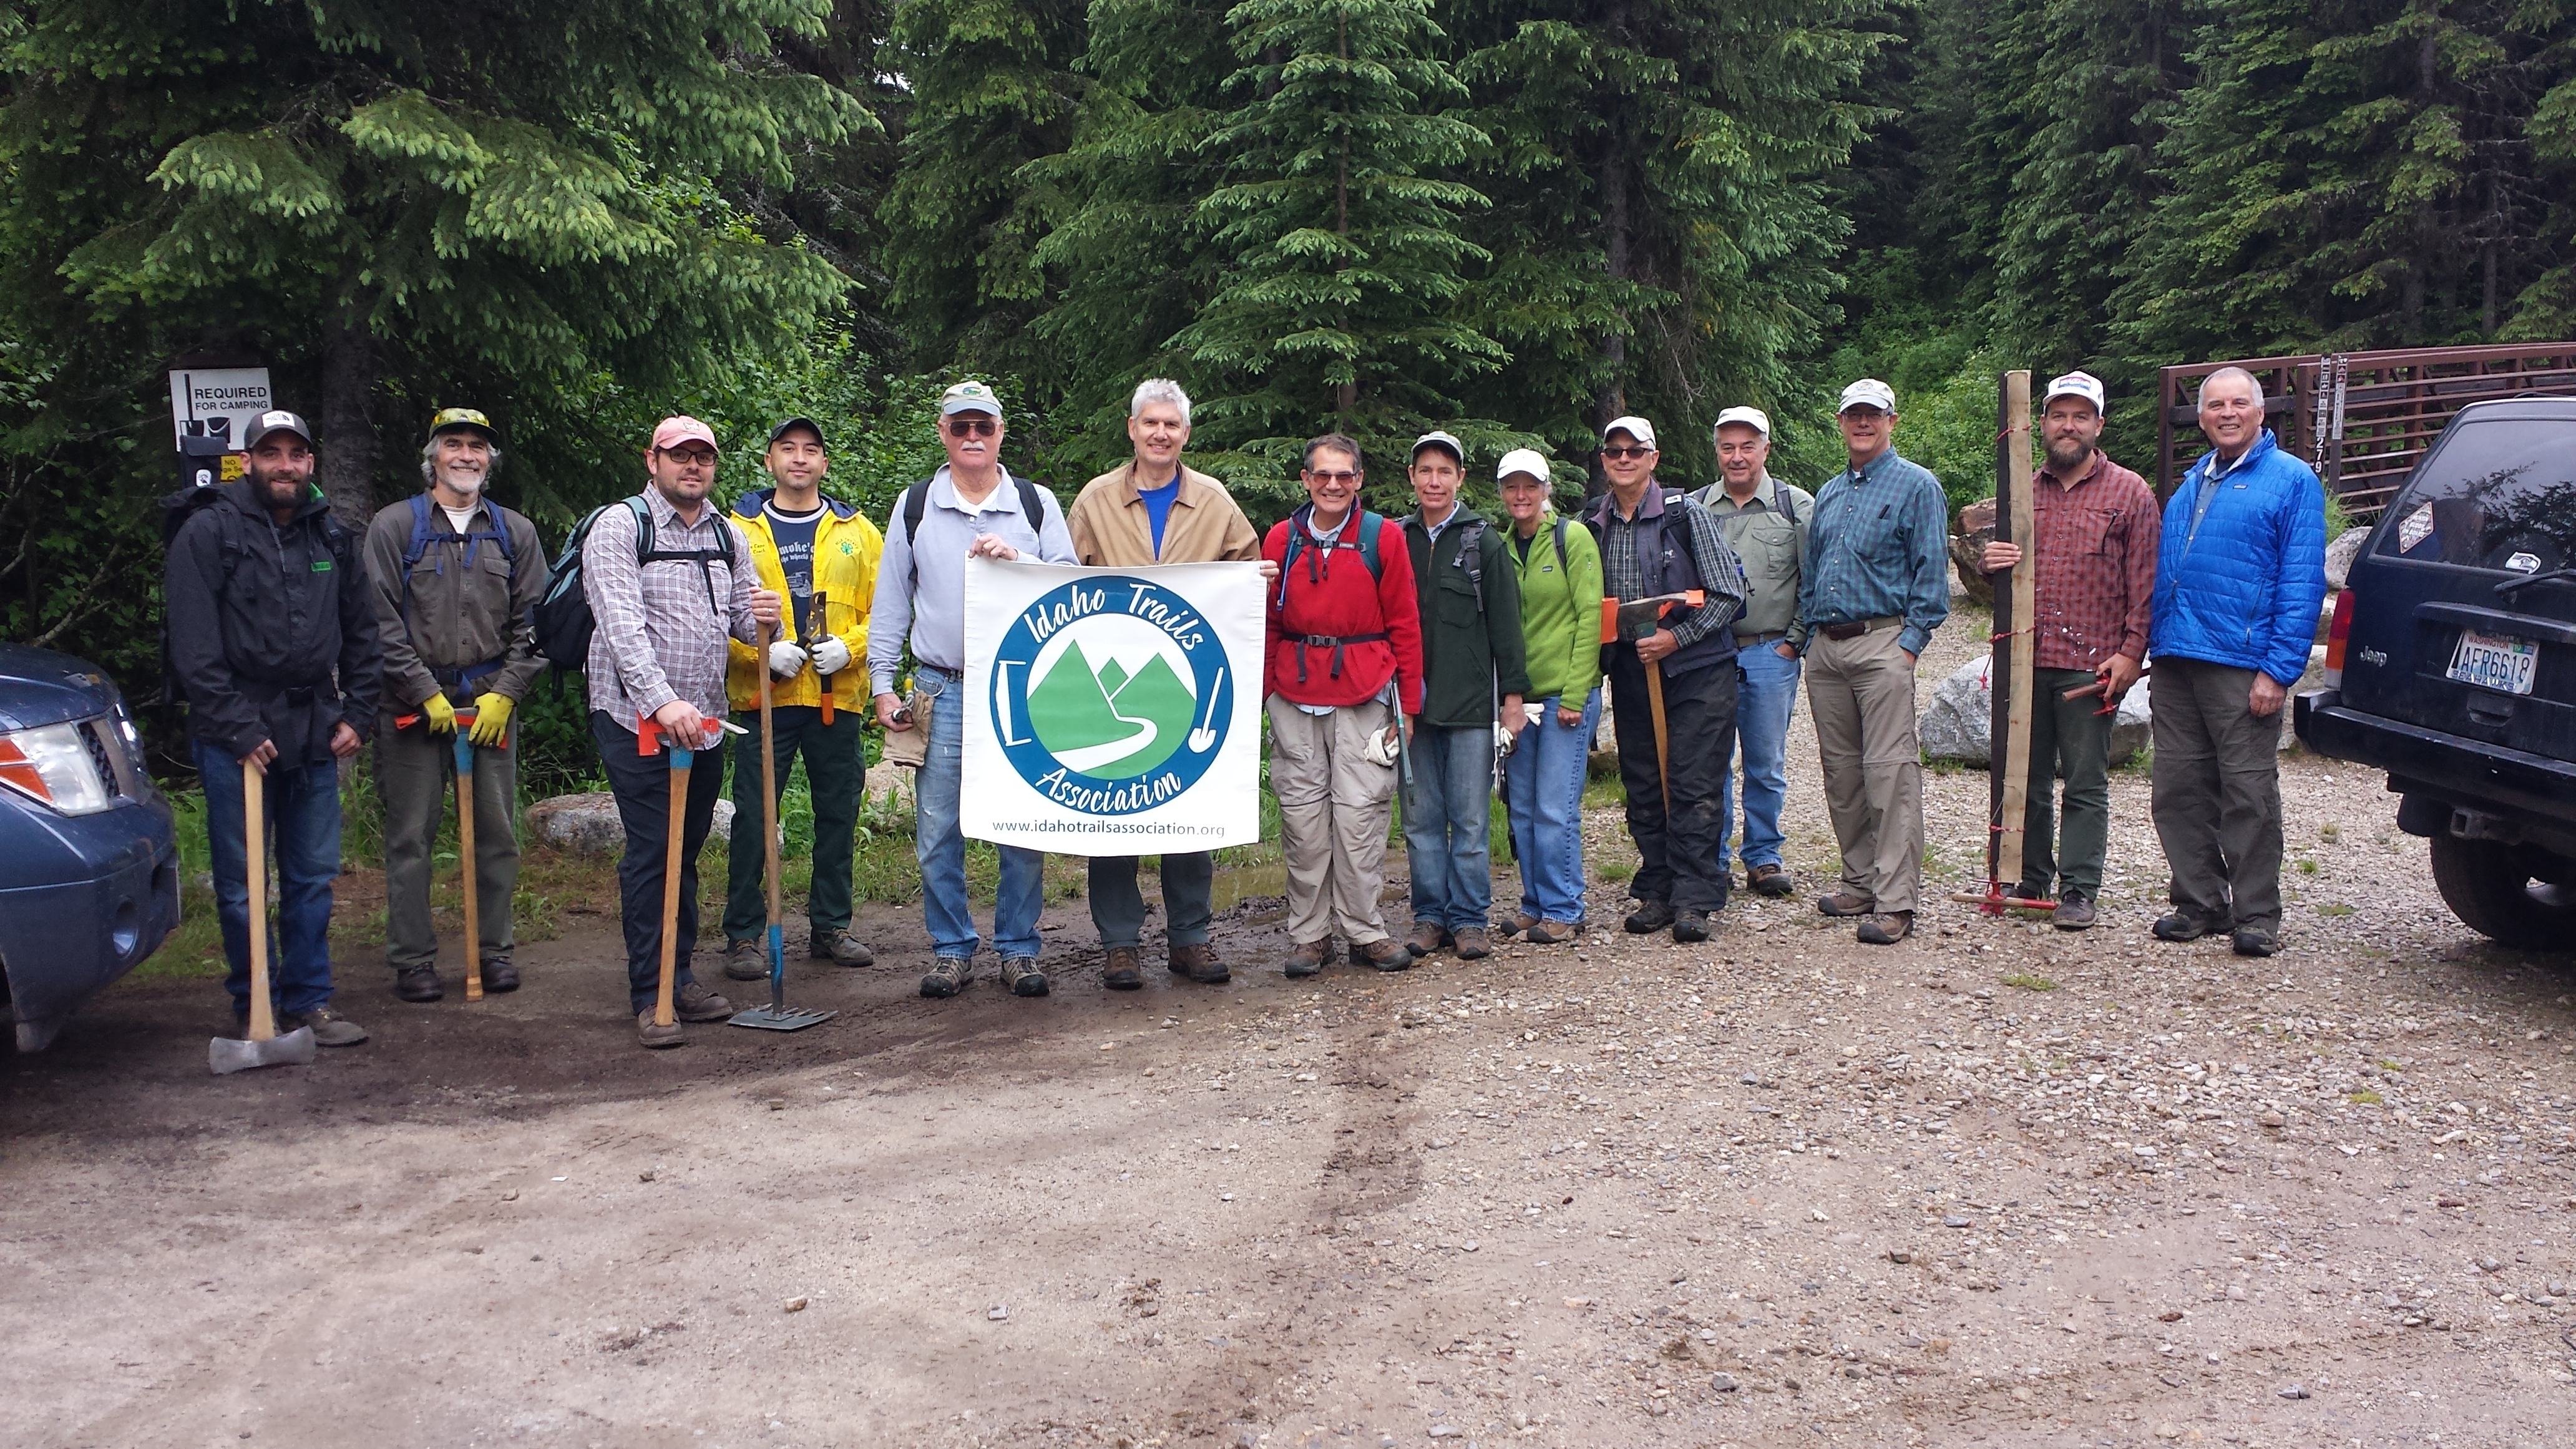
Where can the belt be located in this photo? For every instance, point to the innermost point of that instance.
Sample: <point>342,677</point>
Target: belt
<point>1335,642</point>
<point>1857,628</point>
<point>919,666</point>
<point>1746,641</point>
<point>465,678</point>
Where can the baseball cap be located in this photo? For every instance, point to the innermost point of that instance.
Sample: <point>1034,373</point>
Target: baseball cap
<point>276,421</point>
<point>675,431</point>
<point>969,397</point>
<point>1635,427</point>
<point>2076,384</point>
<point>1438,439</point>
<point>1754,418</point>
<point>1524,460</point>
<point>1869,392</point>
<point>806,423</point>
<point>451,419</point>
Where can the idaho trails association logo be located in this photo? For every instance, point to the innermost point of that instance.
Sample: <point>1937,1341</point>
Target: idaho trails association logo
<point>1111,696</point>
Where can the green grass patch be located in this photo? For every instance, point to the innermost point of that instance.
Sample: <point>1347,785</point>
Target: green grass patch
<point>2334,908</point>
<point>2028,982</point>
<point>2363,1098</point>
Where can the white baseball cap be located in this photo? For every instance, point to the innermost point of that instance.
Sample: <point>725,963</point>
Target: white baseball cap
<point>969,397</point>
<point>1438,439</point>
<point>1524,460</point>
<point>1634,426</point>
<point>2076,384</point>
<point>1868,392</point>
<point>1754,418</point>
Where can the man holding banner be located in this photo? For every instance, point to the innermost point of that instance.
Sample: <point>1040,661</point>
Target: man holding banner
<point>1150,511</point>
<point>1344,653</point>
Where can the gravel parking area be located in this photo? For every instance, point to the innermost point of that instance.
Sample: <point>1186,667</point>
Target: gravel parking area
<point>1994,1185</point>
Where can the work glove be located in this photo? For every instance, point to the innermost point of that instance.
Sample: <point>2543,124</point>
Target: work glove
<point>491,721</point>
<point>831,656</point>
<point>442,715</point>
<point>1382,747</point>
<point>786,661</point>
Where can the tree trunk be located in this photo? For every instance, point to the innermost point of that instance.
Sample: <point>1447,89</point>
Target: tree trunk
<point>1611,400</point>
<point>345,441</point>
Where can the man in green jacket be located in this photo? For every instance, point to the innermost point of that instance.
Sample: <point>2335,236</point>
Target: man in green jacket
<point>1473,679</point>
<point>1560,585</point>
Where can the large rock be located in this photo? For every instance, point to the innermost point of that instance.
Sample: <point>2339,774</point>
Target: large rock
<point>2340,554</point>
<point>2311,679</point>
<point>588,823</point>
<point>1975,529</point>
<point>1956,725</point>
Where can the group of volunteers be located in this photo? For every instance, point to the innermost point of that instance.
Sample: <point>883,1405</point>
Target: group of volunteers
<point>1441,655</point>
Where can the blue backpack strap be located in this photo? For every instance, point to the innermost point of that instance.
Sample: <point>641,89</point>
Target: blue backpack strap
<point>1371,525</point>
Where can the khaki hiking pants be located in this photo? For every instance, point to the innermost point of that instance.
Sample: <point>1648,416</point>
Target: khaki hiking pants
<point>1335,807</point>
<point>1862,692</point>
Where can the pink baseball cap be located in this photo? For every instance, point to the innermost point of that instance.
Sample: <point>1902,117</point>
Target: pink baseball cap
<point>675,431</point>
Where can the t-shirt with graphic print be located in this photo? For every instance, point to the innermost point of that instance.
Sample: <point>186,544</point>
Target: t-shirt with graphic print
<point>794,534</point>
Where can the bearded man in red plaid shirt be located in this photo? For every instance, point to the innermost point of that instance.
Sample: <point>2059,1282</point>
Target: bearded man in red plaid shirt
<point>2097,531</point>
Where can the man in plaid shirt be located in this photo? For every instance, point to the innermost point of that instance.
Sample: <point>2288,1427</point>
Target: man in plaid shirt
<point>2097,531</point>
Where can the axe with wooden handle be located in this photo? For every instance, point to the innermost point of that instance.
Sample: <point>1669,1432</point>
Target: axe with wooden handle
<point>1617,617</point>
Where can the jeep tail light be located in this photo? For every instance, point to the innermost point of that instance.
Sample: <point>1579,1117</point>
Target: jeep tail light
<point>2338,633</point>
<point>52,764</point>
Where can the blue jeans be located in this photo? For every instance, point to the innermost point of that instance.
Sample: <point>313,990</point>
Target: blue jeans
<point>941,847</point>
<point>1767,695</point>
<point>304,828</point>
<point>1543,785</point>
<point>1448,811</point>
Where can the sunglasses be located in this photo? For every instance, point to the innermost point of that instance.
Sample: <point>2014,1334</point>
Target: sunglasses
<point>1335,477</point>
<point>1625,453</point>
<point>972,427</point>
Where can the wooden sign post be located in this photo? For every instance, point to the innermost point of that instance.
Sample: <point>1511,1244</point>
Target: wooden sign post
<point>2016,650</point>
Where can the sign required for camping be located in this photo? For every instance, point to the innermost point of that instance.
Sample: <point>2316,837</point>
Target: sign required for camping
<point>200,395</point>
<point>1112,711</point>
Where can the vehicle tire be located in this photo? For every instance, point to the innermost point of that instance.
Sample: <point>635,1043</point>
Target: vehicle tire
<point>2489,886</point>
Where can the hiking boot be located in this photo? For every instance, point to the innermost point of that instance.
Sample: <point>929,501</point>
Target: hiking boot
<point>2181,925</point>
<point>1887,929</point>
<point>330,1028</point>
<point>1649,917</point>
<point>1473,944</point>
<point>1690,927</point>
<point>1121,971</point>
<point>746,961</point>
<point>947,976</point>
<point>1519,926</point>
<point>417,983</point>
<point>1021,974</point>
<point>696,1003</point>
<point>1198,963</point>
<point>1843,904</point>
<point>1385,953</point>
<point>1771,879</point>
<point>2254,941</point>
<point>656,1037</point>
<point>1552,933</point>
<point>1308,957</point>
<point>840,948</point>
<point>2074,912</point>
<point>1427,938</point>
<point>499,975</point>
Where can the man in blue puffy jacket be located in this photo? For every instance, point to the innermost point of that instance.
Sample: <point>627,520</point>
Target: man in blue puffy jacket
<point>2238,582</point>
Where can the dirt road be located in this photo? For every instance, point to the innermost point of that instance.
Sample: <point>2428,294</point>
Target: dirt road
<point>1993,1185</point>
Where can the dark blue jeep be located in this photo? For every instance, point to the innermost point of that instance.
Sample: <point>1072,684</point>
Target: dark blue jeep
<point>2451,664</point>
<point>89,869</point>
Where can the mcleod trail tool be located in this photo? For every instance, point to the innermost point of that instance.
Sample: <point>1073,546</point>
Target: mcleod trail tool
<point>775,1016</point>
<point>1617,616</point>
<point>261,1046</point>
<point>2017,645</point>
<point>648,734</point>
<point>465,854</point>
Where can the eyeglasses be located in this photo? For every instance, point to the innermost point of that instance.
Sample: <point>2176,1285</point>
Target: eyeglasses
<point>971,427</point>
<point>1337,477</point>
<point>1619,454</point>
<point>690,457</point>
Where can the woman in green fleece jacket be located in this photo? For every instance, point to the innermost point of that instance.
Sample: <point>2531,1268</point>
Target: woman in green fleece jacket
<point>1560,578</point>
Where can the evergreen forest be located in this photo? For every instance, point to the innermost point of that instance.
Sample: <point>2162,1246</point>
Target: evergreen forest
<point>1513,219</point>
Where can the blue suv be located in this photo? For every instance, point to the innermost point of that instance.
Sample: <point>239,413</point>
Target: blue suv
<point>89,867</point>
<point>2451,664</point>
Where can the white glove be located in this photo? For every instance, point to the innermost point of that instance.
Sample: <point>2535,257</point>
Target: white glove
<point>1381,748</point>
<point>1504,739</point>
<point>831,656</point>
<point>786,661</point>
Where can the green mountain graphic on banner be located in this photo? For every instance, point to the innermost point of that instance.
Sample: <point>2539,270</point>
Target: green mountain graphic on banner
<point>1106,725</point>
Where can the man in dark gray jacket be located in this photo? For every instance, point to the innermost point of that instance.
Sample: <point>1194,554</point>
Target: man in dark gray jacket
<point>453,575</point>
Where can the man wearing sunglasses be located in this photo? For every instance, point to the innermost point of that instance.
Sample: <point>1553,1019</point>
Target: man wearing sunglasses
<point>1658,543</point>
<point>971,508</point>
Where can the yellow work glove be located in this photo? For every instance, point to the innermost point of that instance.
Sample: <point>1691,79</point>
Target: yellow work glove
<point>442,715</point>
<point>491,720</point>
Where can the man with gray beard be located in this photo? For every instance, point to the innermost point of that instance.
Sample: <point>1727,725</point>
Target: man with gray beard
<point>454,575</point>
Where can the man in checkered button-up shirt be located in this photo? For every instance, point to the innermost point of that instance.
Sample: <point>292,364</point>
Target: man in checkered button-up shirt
<point>2097,531</point>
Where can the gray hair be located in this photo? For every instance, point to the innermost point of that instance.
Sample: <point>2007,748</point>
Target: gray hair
<point>429,459</point>
<point>1159,390</point>
<point>2231,374</point>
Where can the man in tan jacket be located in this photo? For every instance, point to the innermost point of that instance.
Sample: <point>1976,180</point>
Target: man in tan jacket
<point>1152,511</point>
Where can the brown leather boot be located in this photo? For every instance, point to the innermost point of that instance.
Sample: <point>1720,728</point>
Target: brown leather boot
<point>1198,963</point>
<point>1474,945</point>
<point>1428,937</point>
<point>1386,954</point>
<point>1122,971</point>
<point>1308,957</point>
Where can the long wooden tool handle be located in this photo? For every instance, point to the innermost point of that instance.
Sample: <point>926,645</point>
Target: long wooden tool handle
<point>465,858</point>
<point>818,620</point>
<point>2019,510</point>
<point>671,886</point>
<point>263,1020</point>
<point>769,820</point>
<point>1663,741</point>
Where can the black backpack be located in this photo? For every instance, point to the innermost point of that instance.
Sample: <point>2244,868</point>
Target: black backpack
<point>562,619</point>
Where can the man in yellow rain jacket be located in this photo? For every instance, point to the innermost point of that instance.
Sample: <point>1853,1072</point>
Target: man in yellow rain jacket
<point>809,548</point>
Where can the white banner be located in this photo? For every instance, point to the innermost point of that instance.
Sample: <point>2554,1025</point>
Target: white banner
<point>1113,711</point>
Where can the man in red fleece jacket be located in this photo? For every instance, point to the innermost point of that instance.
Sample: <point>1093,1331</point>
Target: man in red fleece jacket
<point>1345,651</point>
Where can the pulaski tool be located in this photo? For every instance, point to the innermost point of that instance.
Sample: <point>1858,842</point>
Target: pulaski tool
<point>1620,615</point>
